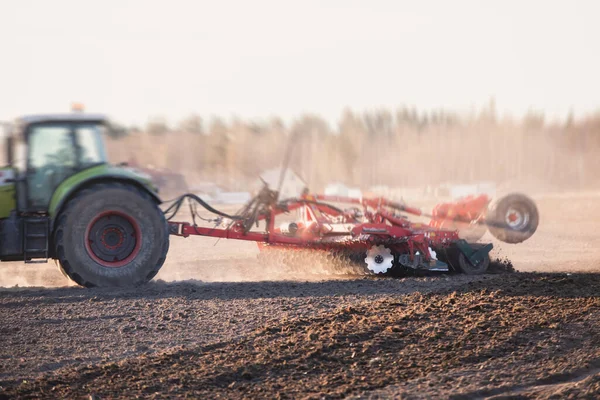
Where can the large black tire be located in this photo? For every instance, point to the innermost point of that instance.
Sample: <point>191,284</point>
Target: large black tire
<point>514,205</point>
<point>111,235</point>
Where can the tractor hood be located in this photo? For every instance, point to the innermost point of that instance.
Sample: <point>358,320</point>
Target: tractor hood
<point>126,172</point>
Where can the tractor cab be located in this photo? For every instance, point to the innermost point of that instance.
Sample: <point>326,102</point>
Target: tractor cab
<point>44,150</point>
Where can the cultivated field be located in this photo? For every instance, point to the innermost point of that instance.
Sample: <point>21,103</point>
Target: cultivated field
<point>215,324</point>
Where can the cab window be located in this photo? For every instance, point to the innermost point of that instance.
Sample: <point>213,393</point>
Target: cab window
<point>51,160</point>
<point>88,138</point>
<point>51,146</point>
<point>56,152</point>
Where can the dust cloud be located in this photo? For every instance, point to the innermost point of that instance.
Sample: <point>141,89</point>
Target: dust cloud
<point>19,274</point>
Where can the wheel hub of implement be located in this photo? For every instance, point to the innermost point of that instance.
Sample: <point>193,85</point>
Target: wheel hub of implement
<point>516,218</point>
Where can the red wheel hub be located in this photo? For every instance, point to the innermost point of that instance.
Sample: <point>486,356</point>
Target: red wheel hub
<point>113,239</point>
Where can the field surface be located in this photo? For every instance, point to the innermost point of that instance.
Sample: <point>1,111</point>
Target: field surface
<point>217,324</point>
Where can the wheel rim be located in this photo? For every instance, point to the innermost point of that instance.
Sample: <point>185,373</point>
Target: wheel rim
<point>113,239</point>
<point>516,218</point>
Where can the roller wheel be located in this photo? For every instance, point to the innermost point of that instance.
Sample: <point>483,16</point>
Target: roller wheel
<point>111,235</point>
<point>465,266</point>
<point>513,218</point>
<point>460,264</point>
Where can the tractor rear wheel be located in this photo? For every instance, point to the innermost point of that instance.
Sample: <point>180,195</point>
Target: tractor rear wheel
<point>111,235</point>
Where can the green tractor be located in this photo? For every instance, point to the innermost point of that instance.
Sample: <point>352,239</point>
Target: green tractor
<point>61,199</point>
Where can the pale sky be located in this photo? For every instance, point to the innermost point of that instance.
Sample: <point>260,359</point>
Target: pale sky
<point>133,59</point>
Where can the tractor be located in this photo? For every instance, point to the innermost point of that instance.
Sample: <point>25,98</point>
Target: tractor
<point>61,199</point>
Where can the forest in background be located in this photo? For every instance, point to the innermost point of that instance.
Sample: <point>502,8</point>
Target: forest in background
<point>401,148</point>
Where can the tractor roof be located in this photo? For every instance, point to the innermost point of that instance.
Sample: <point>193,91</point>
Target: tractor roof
<point>32,119</point>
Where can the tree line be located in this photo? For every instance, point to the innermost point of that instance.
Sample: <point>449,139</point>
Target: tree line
<point>402,148</point>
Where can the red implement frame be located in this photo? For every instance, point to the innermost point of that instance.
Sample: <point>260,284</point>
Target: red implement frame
<point>469,210</point>
<point>326,227</point>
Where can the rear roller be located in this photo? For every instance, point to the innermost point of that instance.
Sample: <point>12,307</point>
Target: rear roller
<point>477,263</point>
<point>468,267</point>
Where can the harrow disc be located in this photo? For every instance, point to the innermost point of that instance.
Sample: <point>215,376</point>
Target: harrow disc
<point>379,259</point>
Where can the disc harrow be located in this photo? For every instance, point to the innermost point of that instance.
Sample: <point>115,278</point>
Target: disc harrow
<point>374,236</point>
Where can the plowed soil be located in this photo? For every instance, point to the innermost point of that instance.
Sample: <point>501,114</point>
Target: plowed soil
<point>215,325</point>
